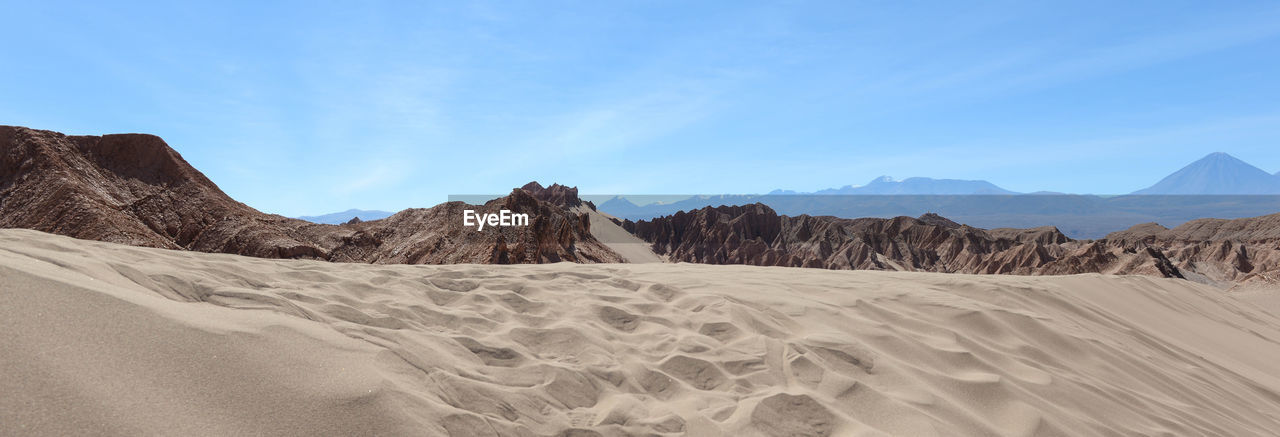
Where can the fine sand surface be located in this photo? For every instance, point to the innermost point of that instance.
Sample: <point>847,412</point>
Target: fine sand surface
<point>632,249</point>
<point>103,339</point>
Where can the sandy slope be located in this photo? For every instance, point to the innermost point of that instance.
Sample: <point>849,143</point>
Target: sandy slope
<point>632,249</point>
<point>105,339</point>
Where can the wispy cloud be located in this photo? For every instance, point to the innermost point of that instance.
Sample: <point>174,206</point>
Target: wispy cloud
<point>1065,58</point>
<point>1218,33</point>
<point>372,175</point>
<point>618,125</point>
<point>626,114</point>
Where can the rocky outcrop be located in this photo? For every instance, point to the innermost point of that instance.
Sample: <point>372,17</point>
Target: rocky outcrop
<point>556,194</point>
<point>134,189</point>
<point>756,235</point>
<point>436,236</point>
<point>1237,251</point>
<point>131,189</point>
<point>935,219</point>
<point>1215,251</point>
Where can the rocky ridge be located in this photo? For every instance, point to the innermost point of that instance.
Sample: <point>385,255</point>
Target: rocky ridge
<point>1225,252</point>
<point>134,189</point>
<point>1239,251</point>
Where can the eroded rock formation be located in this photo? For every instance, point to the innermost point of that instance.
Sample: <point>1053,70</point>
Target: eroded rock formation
<point>134,189</point>
<point>1238,251</point>
<point>756,235</point>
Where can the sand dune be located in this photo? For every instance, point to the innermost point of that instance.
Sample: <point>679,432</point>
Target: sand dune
<point>104,339</point>
<point>629,247</point>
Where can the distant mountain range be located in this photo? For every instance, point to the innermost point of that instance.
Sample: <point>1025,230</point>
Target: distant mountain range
<point>1217,173</point>
<point>1227,181</point>
<point>886,185</point>
<point>338,218</point>
<point>1217,185</point>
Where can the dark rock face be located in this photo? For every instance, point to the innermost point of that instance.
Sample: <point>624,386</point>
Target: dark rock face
<point>756,235</point>
<point>134,189</point>
<point>937,220</point>
<point>131,189</point>
<point>556,194</point>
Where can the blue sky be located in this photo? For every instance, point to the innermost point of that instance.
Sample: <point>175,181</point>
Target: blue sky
<point>307,107</point>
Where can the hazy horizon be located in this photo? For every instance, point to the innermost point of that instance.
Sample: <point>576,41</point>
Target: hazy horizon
<point>302,110</point>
